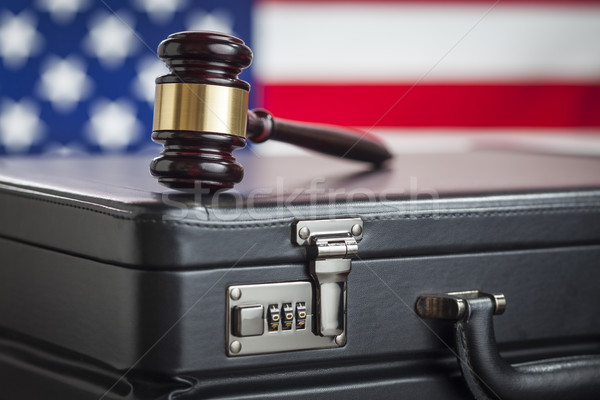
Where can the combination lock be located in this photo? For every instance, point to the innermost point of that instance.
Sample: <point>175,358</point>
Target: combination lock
<point>273,317</point>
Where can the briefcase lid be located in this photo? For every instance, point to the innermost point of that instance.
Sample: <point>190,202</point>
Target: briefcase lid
<point>110,209</point>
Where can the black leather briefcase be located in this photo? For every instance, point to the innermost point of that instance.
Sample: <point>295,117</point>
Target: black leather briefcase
<point>442,276</point>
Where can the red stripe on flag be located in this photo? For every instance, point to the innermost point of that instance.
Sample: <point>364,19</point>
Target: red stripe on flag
<point>438,105</point>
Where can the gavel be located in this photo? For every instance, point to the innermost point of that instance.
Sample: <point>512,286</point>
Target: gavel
<point>201,115</point>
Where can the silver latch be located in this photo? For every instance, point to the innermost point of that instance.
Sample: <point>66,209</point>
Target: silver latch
<point>331,244</point>
<point>453,305</point>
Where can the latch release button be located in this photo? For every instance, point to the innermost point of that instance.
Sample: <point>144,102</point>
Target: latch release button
<point>248,321</point>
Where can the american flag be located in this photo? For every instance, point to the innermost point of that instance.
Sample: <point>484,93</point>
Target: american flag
<point>77,76</point>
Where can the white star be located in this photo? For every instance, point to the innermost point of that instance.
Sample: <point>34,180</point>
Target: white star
<point>111,39</point>
<point>113,124</point>
<point>62,11</point>
<point>64,150</point>
<point>64,82</point>
<point>149,69</point>
<point>19,39</point>
<point>20,125</point>
<point>160,11</point>
<point>217,21</point>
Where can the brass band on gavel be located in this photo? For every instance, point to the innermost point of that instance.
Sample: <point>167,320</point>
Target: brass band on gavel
<point>200,107</point>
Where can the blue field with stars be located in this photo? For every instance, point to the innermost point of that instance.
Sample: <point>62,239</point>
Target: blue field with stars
<point>77,76</point>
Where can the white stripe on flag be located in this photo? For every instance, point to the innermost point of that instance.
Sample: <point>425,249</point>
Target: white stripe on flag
<point>383,42</point>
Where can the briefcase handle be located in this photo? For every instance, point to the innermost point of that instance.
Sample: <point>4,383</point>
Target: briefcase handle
<point>487,374</point>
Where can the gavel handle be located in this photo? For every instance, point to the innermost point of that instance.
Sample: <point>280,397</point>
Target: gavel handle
<point>335,141</point>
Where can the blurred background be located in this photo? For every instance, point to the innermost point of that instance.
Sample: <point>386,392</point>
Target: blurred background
<point>77,76</point>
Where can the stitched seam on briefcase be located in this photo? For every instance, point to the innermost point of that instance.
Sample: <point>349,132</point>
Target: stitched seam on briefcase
<point>382,218</point>
<point>499,213</point>
<point>469,364</point>
<point>558,210</point>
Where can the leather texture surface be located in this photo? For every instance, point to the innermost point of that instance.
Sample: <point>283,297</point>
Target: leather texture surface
<point>436,204</point>
<point>170,324</point>
<point>59,374</point>
<point>489,376</point>
<point>111,285</point>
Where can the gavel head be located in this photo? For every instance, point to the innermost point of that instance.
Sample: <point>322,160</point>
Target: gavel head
<point>200,111</point>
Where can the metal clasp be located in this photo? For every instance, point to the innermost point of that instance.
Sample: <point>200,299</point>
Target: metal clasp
<point>331,244</point>
<point>453,305</point>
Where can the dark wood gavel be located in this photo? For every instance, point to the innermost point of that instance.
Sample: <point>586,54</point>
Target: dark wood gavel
<point>201,115</point>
